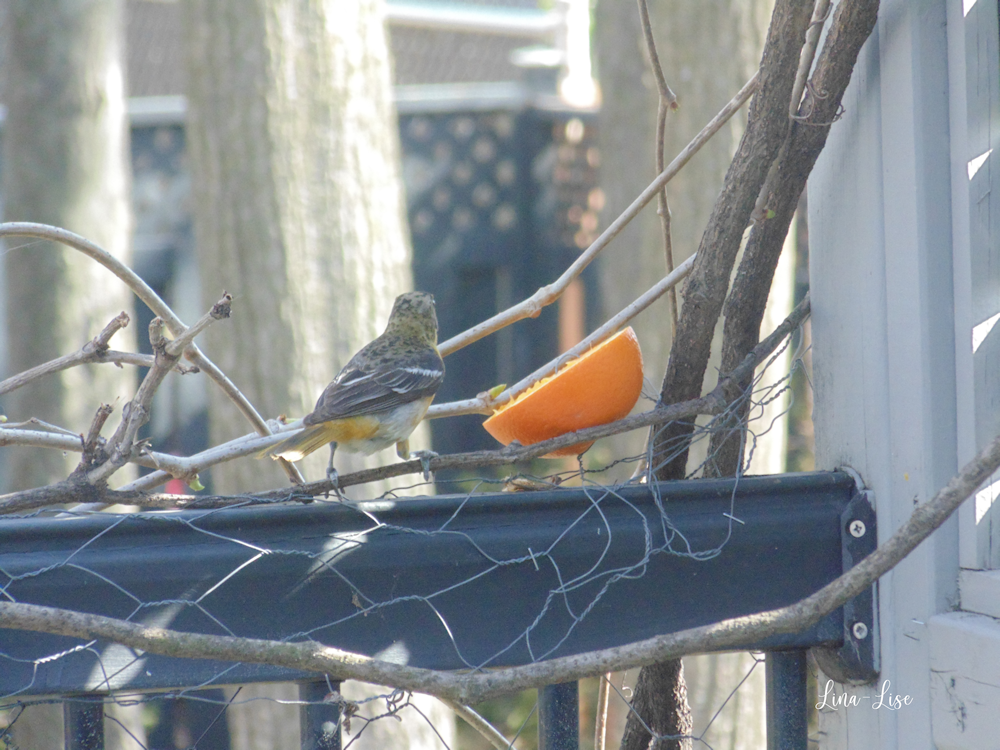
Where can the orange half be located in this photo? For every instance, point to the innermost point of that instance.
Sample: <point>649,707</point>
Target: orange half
<point>597,387</point>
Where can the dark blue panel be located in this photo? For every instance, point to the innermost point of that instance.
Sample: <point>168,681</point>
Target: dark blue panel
<point>443,582</point>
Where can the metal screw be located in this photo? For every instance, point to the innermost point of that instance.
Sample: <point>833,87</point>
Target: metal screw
<point>857,528</point>
<point>860,630</point>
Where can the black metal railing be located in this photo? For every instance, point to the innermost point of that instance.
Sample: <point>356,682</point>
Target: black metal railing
<point>448,582</point>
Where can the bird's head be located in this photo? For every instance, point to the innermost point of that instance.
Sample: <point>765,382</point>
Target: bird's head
<point>413,314</point>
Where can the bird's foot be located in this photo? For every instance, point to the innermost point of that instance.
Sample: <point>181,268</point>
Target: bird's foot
<point>425,461</point>
<point>333,477</point>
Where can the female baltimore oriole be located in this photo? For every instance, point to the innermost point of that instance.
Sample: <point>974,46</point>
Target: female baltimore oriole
<point>381,394</point>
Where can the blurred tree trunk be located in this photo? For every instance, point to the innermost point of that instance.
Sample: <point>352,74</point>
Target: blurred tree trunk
<point>708,50</point>
<point>299,214</point>
<point>65,150</point>
<point>65,163</point>
<point>298,203</point>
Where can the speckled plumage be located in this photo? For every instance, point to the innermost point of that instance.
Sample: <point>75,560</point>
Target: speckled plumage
<point>382,393</point>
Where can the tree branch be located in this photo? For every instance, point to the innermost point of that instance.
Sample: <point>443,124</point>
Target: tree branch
<point>820,13</point>
<point>121,446</point>
<point>134,493</point>
<point>744,308</point>
<point>220,310</point>
<point>486,404</point>
<point>152,300</point>
<point>709,281</point>
<point>95,350</point>
<point>767,125</point>
<point>477,722</point>
<point>667,102</point>
<point>532,306</point>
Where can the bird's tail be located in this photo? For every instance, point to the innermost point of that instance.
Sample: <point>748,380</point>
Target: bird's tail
<point>301,444</point>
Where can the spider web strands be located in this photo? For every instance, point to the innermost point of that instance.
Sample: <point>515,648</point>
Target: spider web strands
<point>749,428</point>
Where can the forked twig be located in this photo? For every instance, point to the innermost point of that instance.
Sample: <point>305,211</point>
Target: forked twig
<point>160,308</point>
<point>667,102</point>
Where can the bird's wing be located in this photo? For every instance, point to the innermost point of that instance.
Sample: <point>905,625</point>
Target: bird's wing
<point>361,388</point>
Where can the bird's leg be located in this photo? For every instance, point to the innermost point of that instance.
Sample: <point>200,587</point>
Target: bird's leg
<point>403,451</point>
<point>331,473</point>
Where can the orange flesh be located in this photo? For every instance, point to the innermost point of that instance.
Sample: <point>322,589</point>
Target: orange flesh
<point>598,387</point>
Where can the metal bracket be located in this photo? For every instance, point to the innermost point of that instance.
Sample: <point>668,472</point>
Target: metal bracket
<point>857,660</point>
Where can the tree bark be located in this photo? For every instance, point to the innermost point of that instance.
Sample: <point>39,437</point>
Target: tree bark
<point>665,710</point>
<point>768,129</point>
<point>706,290</point>
<point>708,284</point>
<point>708,50</point>
<point>299,214</point>
<point>65,150</point>
<point>298,201</point>
<point>850,26</point>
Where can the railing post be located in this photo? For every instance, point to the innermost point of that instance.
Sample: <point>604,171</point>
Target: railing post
<point>559,717</point>
<point>319,722</point>
<point>787,715</point>
<point>83,723</point>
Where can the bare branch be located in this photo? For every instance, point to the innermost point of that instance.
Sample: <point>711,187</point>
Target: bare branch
<point>666,94</point>
<point>709,281</point>
<point>90,442</point>
<point>667,102</point>
<point>90,353</point>
<point>95,350</point>
<point>610,327</point>
<point>152,300</point>
<point>64,440</point>
<point>221,309</point>
<point>133,494</point>
<point>186,468</point>
<point>601,723</point>
<point>820,13</point>
<point>35,421</point>
<point>744,308</point>
<point>136,412</point>
<point>471,688</point>
<point>122,444</point>
<point>477,722</point>
<point>532,306</point>
<point>484,404</point>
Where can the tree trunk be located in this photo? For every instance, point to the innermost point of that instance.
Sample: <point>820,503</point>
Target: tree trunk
<point>708,50</point>
<point>65,163</point>
<point>65,147</point>
<point>298,203</point>
<point>299,214</point>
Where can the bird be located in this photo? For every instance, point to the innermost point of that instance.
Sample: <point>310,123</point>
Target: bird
<point>382,393</point>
